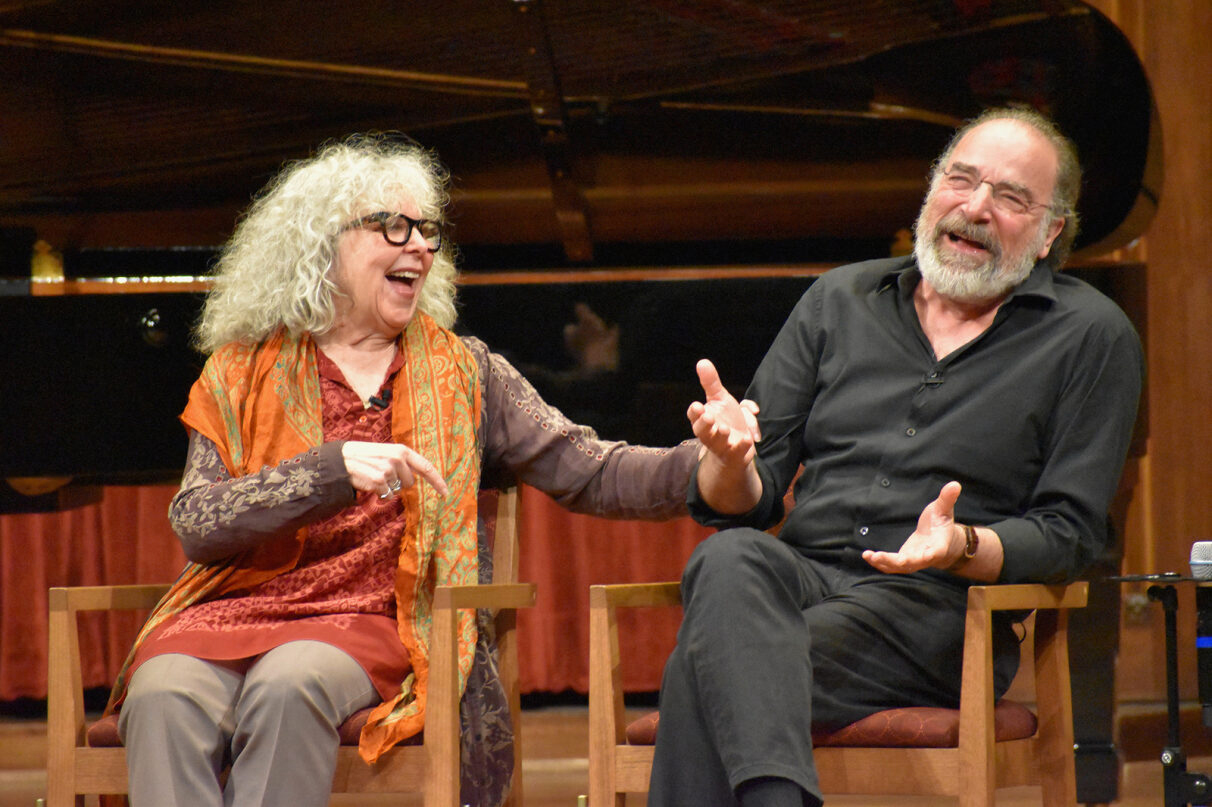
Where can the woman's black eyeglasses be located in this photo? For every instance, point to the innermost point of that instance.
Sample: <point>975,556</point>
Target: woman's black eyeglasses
<point>397,228</point>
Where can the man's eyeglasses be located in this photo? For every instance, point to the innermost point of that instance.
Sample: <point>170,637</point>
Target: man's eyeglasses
<point>397,228</point>
<point>1006,197</point>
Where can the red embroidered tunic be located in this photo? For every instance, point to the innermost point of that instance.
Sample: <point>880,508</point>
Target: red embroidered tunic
<point>342,589</point>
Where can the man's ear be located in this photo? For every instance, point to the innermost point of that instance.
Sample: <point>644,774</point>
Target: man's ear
<point>1054,229</point>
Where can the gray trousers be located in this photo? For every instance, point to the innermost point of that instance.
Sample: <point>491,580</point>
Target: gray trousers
<point>184,720</point>
<point>773,643</point>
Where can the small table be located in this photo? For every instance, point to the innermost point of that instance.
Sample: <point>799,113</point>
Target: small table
<point>1181,787</point>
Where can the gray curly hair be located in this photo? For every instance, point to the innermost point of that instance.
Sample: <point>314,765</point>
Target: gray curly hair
<point>276,270</point>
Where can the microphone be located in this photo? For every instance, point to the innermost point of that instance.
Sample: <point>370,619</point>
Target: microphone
<point>380,401</point>
<point>1201,560</point>
<point>1201,569</point>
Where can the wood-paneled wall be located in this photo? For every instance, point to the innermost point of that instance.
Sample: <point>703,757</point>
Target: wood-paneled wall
<point>1175,495</point>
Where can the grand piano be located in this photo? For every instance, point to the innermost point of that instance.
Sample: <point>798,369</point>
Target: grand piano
<point>684,168</point>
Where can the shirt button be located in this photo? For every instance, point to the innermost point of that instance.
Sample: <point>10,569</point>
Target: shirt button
<point>362,419</point>
<point>864,530</point>
<point>910,431</point>
<point>885,483</point>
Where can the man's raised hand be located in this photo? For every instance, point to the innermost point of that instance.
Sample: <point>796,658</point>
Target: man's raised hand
<point>726,427</point>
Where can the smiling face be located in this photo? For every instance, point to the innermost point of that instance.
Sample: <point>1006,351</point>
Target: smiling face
<point>381,282</point>
<point>970,249</point>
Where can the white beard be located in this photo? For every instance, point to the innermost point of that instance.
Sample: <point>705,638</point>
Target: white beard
<point>963,279</point>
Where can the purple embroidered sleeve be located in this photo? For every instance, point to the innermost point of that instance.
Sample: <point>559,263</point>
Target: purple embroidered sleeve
<point>584,473</point>
<point>216,515</point>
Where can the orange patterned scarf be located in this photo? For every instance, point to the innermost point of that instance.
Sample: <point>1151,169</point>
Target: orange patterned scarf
<point>261,404</point>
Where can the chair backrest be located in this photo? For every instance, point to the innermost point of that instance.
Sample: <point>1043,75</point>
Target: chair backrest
<point>506,560</point>
<point>499,514</point>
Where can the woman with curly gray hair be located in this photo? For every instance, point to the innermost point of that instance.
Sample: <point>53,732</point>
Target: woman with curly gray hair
<point>275,270</point>
<point>334,384</point>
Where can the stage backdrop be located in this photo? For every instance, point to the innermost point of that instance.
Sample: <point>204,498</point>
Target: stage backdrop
<point>125,538</point>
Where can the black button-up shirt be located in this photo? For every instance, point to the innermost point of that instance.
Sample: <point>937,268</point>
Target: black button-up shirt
<point>1033,418</point>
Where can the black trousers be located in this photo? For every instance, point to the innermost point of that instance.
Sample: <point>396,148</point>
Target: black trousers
<point>773,643</point>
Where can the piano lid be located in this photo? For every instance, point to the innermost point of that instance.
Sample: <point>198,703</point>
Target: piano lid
<point>576,129</point>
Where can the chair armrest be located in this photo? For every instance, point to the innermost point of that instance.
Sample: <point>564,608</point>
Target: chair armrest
<point>488,595</point>
<point>106,598</point>
<point>1051,604</point>
<point>606,724</point>
<point>442,711</point>
<point>1023,596</point>
<point>64,684</point>
<point>632,595</point>
<point>1051,632</point>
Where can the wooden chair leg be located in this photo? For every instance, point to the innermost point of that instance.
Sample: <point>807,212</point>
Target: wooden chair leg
<point>605,700</point>
<point>1058,770</point>
<point>442,742</point>
<point>978,766</point>
<point>65,704</point>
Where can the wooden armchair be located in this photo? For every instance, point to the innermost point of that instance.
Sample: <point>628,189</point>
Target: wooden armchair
<point>965,753</point>
<point>77,766</point>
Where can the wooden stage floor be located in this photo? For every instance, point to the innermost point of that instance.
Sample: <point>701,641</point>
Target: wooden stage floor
<point>555,769</point>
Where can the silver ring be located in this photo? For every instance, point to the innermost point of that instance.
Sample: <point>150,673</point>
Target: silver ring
<point>393,487</point>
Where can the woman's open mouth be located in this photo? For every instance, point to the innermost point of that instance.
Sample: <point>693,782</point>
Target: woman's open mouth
<point>407,277</point>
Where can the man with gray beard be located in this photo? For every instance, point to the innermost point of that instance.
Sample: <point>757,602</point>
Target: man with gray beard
<point>897,385</point>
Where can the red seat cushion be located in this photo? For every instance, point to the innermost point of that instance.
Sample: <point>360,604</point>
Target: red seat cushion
<point>351,729</point>
<point>104,733</point>
<point>910,727</point>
